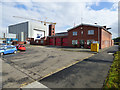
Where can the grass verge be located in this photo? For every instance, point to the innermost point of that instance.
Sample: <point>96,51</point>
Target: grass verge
<point>113,78</point>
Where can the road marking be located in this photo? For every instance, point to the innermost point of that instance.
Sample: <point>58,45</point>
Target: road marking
<point>64,67</point>
<point>60,69</point>
<point>23,84</point>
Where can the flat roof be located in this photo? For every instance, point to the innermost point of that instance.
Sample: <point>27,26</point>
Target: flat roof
<point>61,33</point>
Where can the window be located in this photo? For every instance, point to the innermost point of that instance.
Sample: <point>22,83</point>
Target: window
<point>37,41</point>
<point>8,48</point>
<point>74,33</point>
<point>90,32</point>
<point>81,32</point>
<point>1,48</point>
<point>81,42</point>
<point>81,28</point>
<point>89,42</point>
<point>41,41</point>
<point>74,42</point>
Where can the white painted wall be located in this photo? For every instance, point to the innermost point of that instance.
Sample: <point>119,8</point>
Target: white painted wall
<point>22,36</point>
<point>1,41</point>
<point>9,35</point>
<point>36,25</point>
<point>38,34</point>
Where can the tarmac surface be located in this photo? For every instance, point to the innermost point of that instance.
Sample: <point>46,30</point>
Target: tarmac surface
<point>35,63</point>
<point>0,73</point>
<point>89,73</point>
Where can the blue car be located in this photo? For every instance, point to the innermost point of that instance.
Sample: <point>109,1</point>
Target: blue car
<point>7,50</point>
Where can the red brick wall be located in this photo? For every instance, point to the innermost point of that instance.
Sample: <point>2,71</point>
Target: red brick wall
<point>106,39</point>
<point>58,40</point>
<point>85,35</point>
<point>51,30</point>
<point>112,42</point>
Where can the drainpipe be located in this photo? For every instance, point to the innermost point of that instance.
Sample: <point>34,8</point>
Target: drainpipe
<point>98,33</point>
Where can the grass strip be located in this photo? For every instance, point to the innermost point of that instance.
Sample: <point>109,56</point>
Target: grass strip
<point>113,78</point>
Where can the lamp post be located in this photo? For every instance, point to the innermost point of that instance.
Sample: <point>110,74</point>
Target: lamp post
<point>6,36</point>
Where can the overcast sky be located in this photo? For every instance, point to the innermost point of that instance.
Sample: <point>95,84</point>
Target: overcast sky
<point>64,13</point>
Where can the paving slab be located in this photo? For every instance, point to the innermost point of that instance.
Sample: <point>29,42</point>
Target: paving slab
<point>34,85</point>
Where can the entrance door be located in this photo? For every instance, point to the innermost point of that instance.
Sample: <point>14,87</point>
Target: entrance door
<point>82,43</point>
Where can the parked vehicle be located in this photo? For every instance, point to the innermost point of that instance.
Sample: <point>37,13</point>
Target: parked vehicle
<point>21,47</point>
<point>7,49</point>
<point>2,44</point>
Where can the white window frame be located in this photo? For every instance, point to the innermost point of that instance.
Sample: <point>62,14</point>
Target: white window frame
<point>74,42</point>
<point>41,41</point>
<point>90,32</point>
<point>89,41</point>
<point>37,41</point>
<point>75,33</point>
<point>82,32</point>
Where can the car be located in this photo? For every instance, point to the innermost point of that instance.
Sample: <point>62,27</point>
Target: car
<point>1,44</point>
<point>21,47</point>
<point>7,50</point>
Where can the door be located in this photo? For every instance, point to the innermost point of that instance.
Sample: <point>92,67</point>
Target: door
<point>58,41</point>
<point>82,43</point>
<point>51,41</point>
<point>8,50</point>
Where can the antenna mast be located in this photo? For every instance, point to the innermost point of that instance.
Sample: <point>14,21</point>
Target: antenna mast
<point>81,15</point>
<point>81,20</point>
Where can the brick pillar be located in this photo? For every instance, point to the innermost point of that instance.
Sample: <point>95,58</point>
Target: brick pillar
<point>61,41</point>
<point>54,41</point>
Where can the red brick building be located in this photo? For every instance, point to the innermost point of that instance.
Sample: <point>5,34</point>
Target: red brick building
<point>81,36</point>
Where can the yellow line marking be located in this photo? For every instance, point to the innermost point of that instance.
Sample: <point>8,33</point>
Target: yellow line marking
<point>62,68</point>
<point>25,84</point>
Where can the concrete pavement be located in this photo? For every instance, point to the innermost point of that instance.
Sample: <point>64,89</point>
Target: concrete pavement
<point>34,85</point>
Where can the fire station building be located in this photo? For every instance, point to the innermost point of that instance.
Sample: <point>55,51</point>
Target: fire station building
<point>82,36</point>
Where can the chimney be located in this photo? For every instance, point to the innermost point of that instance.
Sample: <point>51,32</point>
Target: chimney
<point>104,26</point>
<point>51,30</point>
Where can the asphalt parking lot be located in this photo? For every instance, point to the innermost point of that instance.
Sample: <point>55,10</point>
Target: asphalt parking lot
<point>89,73</point>
<point>36,63</point>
